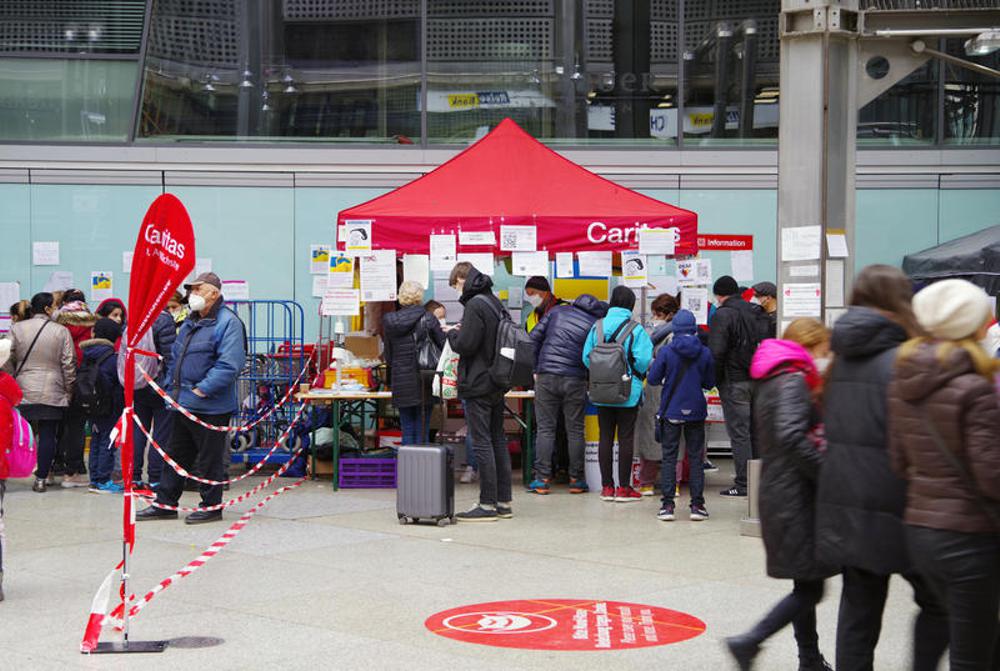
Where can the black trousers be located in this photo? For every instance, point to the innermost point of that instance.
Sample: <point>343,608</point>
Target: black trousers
<point>799,609</point>
<point>963,571</point>
<point>206,449</point>
<point>69,451</point>
<point>860,621</point>
<point>622,421</point>
<point>484,419</point>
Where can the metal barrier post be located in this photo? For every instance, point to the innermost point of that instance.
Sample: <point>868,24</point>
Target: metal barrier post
<point>750,525</point>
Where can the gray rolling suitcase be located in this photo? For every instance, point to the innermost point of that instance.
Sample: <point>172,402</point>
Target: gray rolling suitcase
<point>425,484</point>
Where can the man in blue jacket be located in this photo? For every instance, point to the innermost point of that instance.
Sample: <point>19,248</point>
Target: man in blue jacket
<point>561,386</point>
<point>208,355</point>
<point>684,368</point>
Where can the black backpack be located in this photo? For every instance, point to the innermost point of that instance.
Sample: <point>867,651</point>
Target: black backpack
<point>750,328</point>
<point>513,362</point>
<point>90,391</point>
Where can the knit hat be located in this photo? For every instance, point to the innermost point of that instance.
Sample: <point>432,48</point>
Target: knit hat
<point>623,297</point>
<point>4,351</point>
<point>107,329</point>
<point>952,309</point>
<point>725,286</point>
<point>684,323</point>
<point>538,283</point>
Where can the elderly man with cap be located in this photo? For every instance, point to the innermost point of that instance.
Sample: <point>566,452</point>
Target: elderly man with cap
<point>765,294</point>
<point>538,294</point>
<point>208,355</point>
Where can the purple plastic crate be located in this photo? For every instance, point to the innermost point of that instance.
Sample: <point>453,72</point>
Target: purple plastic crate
<point>367,474</point>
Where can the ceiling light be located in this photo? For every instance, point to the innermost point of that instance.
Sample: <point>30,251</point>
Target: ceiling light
<point>246,83</point>
<point>984,43</point>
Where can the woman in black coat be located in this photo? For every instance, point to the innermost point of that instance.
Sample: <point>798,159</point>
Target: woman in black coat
<point>789,434</point>
<point>406,331</point>
<point>860,503</point>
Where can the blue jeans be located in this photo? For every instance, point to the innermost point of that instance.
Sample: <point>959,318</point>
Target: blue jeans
<point>102,453</point>
<point>415,422</point>
<point>694,443</point>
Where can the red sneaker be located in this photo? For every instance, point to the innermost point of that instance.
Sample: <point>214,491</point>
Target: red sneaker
<point>607,493</point>
<point>627,495</point>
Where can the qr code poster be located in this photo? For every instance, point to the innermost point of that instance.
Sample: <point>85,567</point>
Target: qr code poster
<point>518,238</point>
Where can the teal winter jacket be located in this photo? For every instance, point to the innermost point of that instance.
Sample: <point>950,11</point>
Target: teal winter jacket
<point>638,346</point>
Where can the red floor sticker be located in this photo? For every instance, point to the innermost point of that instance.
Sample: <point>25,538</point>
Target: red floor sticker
<point>565,624</point>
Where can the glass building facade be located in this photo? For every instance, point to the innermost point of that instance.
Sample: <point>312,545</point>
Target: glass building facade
<point>651,73</point>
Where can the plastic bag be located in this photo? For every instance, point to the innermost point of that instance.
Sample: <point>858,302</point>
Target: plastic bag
<point>446,376</point>
<point>142,362</point>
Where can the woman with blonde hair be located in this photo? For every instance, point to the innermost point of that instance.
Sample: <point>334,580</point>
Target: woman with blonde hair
<point>945,442</point>
<point>789,434</point>
<point>412,334</point>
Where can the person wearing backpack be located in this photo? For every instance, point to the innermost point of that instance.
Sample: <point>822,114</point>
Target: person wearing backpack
<point>100,397</point>
<point>150,408</point>
<point>10,396</point>
<point>408,332</point>
<point>617,353</point>
<point>683,368</point>
<point>43,362</point>
<point>474,340</point>
<point>734,334</point>
<point>208,355</point>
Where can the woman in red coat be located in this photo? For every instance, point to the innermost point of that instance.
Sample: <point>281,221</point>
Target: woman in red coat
<point>10,396</point>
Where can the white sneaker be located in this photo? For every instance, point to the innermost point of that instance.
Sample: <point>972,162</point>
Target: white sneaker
<point>469,476</point>
<point>72,481</point>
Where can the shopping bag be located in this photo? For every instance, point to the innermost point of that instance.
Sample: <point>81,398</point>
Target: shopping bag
<point>446,376</point>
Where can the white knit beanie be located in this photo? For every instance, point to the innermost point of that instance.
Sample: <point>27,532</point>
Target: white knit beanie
<point>4,351</point>
<point>952,309</point>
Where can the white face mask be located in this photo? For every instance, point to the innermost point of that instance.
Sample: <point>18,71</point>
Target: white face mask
<point>196,302</point>
<point>822,364</point>
<point>658,322</point>
<point>534,299</point>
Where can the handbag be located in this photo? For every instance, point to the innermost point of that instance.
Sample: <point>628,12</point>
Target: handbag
<point>989,507</point>
<point>428,353</point>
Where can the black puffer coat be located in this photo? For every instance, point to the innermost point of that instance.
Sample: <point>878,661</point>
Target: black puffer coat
<point>861,501</point>
<point>784,413</point>
<point>409,387</point>
<point>560,336</point>
<point>475,342</point>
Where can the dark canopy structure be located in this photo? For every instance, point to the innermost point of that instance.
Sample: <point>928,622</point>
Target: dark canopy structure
<point>975,258</point>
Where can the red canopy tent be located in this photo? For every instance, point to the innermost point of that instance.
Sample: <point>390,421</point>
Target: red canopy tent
<point>508,177</point>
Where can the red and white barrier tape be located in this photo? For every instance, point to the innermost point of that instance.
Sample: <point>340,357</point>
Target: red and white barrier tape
<point>181,471</point>
<point>223,429</point>
<point>115,617</point>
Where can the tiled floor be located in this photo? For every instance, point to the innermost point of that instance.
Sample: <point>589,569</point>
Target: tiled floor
<point>328,579</point>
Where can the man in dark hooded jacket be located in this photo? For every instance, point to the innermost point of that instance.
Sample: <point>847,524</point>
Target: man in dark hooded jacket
<point>561,386</point>
<point>475,343</point>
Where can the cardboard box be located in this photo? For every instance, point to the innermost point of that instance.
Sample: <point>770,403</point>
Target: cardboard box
<point>362,346</point>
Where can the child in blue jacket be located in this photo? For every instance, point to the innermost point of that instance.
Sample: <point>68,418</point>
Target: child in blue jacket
<point>684,368</point>
<point>100,350</point>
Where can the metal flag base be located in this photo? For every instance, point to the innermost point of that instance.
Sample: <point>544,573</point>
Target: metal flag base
<point>116,647</point>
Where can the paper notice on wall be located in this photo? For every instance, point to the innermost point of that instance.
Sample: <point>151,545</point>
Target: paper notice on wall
<point>527,264</point>
<point>515,297</point>
<point>126,263</point>
<point>518,238</point>
<point>694,272</point>
<point>801,300</point>
<point>477,238</point>
<point>834,283</point>
<point>634,271</point>
<point>101,285</point>
<point>10,293</point>
<point>45,253</point>
<point>836,245</point>
<point>594,264</point>
<point>695,299</point>
<point>443,255</point>
<point>359,236</point>
<point>662,285</point>
<point>809,270</point>
<point>564,264</point>
<point>341,275</point>
<point>656,265</point>
<point>656,241</point>
<point>319,285</point>
<point>801,243</point>
<point>319,259</point>
<point>5,322</point>
<point>341,302</point>
<point>416,268</point>
<point>483,262</point>
<point>59,280</point>
<point>236,290</point>
<point>341,237</point>
<point>742,264</point>
<point>443,293</point>
<point>378,276</point>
